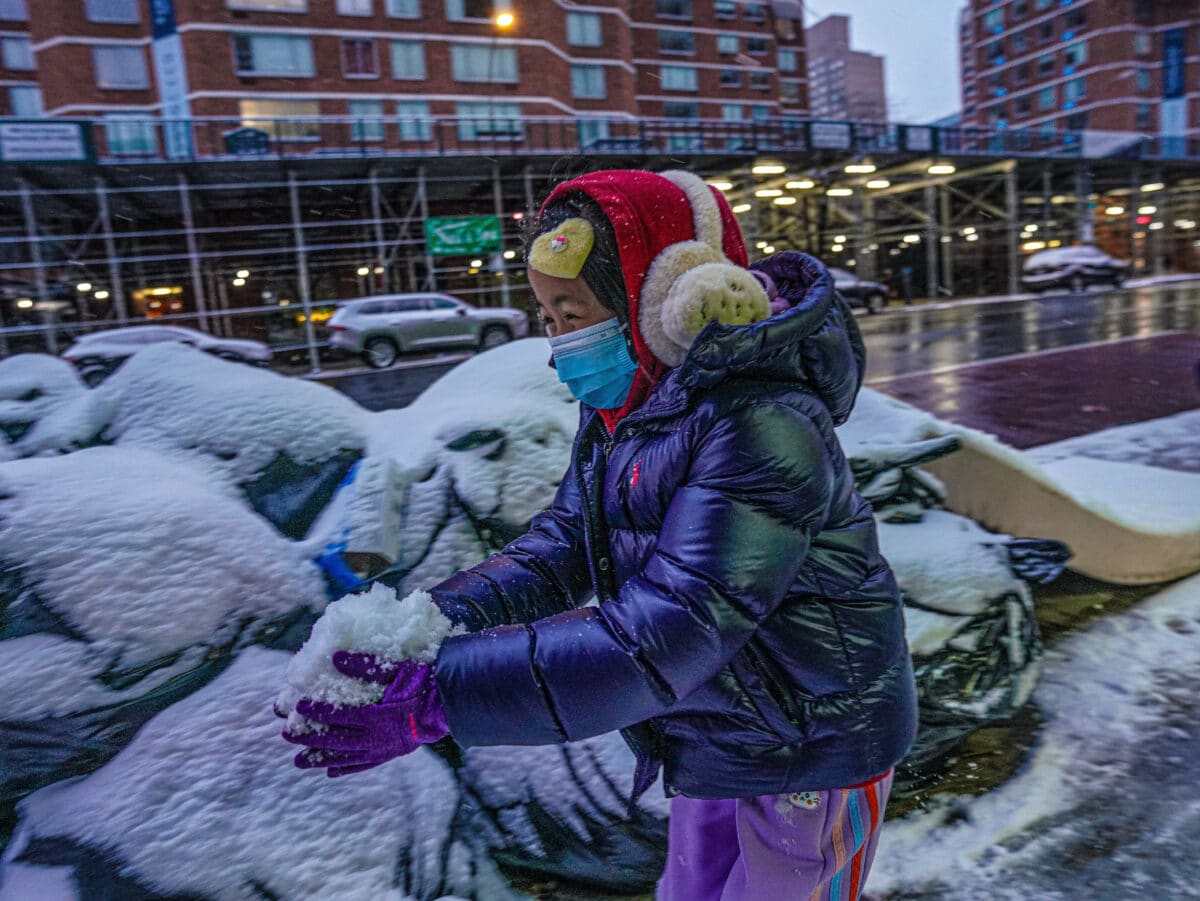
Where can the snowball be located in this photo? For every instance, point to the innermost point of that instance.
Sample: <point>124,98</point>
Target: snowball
<point>370,623</point>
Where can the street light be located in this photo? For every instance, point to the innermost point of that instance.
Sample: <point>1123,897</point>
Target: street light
<point>505,20</point>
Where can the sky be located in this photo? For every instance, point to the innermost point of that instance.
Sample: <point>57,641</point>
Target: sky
<point>919,39</point>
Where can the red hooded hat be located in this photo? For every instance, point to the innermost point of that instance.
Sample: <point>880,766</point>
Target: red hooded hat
<point>683,259</point>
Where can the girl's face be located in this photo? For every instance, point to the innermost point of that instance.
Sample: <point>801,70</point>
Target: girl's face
<point>565,305</point>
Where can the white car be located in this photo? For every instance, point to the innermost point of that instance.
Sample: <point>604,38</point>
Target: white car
<point>97,354</point>
<point>387,325</point>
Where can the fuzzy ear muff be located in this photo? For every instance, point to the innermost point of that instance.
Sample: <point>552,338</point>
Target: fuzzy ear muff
<point>664,271</point>
<point>712,292</point>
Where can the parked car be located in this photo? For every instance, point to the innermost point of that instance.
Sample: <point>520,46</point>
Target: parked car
<point>873,296</point>
<point>386,325</point>
<point>1072,269</point>
<point>97,354</point>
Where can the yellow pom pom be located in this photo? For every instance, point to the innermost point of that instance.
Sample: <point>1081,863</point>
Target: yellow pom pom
<point>562,252</point>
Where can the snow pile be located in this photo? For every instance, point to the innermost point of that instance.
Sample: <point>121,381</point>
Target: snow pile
<point>45,407</point>
<point>205,802</point>
<point>1169,443</point>
<point>1150,499</point>
<point>878,419</point>
<point>373,622</point>
<point>1105,691</point>
<point>235,419</point>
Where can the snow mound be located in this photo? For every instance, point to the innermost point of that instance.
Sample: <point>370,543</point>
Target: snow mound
<point>1169,442</point>
<point>373,622</point>
<point>182,401</point>
<point>880,419</point>
<point>45,407</point>
<point>1146,498</point>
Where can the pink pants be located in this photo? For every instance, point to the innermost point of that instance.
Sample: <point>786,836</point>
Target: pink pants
<point>806,846</point>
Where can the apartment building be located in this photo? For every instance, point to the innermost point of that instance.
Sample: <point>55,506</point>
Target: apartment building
<point>397,65</point>
<point>843,83</point>
<point>1103,65</point>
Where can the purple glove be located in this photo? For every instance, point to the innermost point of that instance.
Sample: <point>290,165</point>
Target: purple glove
<point>358,738</point>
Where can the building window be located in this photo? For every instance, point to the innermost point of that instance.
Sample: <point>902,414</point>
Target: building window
<point>1142,44</point>
<point>1143,80</point>
<point>13,11</point>
<point>483,63</point>
<point>1074,90</point>
<point>415,124</point>
<point>673,9</point>
<point>755,12</point>
<point>591,131</point>
<point>727,43</point>
<point>1044,4</point>
<point>757,46</point>
<point>993,20</point>
<point>355,8</point>
<point>489,121</point>
<point>995,51</point>
<point>786,61</point>
<point>676,41</point>
<point>404,9</point>
<point>676,109</point>
<point>359,59</point>
<point>25,100</point>
<point>679,78</point>
<point>760,81</point>
<point>789,91</point>
<point>1077,122</point>
<point>583,29</point>
<point>1045,31</point>
<point>725,9</point>
<point>17,54</point>
<point>368,120</point>
<point>1076,18</point>
<point>587,82</point>
<point>121,68</point>
<point>281,6</point>
<point>129,135</point>
<point>731,78</point>
<point>1019,42</point>
<point>1021,74</point>
<point>760,112</point>
<point>1023,105</point>
<point>1020,8</point>
<point>113,12</point>
<point>1046,99</point>
<point>1076,54</point>
<point>731,112</point>
<point>273,54</point>
<point>1143,116</point>
<point>408,61</point>
<point>1046,64</point>
<point>471,9</point>
<point>294,120</point>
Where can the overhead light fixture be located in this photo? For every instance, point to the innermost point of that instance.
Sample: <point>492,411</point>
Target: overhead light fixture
<point>1185,224</point>
<point>722,185</point>
<point>84,287</point>
<point>243,273</point>
<point>1031,228</point>
<point>1033,245</point>
<point>475,264</point>
<point>837,248</point>
<point>238,282</point>
<point>877,183</point>
<point>859,169</point>
<point>839,239</point>
<point>803,184</point>
<point>839,192</point>
<point>941,169</point>
<point>24,303</point>
<point>911,239</point>
<point>1115,211</point>
<point>972,237</point>
<point>379,270</point>
<point>1054,243</point>
<point>1155,226</point>
<point>760,244</point>
<point>1148,210</point>
<point>742,208</point>
<point>505,20</point>
<point>769,169</point>
<point>363,270</point>
<point>1152,187</point>
<point>101,295</point>
<point>785,201</point>
<point>969,230</point>
<point>946,239</point>
<point>768,192</point>
<point>510,254</point>
<point>769,249</point>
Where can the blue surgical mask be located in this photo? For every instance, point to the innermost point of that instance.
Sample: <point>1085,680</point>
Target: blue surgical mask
<point>594,363</point>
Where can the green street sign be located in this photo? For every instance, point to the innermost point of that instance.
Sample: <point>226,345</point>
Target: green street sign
<point>462,235</point>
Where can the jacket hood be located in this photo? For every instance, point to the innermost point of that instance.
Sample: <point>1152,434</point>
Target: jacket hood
<point>816,340</point>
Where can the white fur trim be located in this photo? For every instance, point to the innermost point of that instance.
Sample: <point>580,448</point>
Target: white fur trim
<point>706,215</point>
<point>664,270</point>
<point>718,292</point>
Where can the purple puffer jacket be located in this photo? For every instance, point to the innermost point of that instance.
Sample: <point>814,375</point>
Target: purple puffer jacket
<point>749,636</point>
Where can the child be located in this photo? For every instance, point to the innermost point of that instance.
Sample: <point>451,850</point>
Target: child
<point>749,638</point>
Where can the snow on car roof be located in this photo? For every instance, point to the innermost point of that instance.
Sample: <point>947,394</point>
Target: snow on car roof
<point>1064,256</point>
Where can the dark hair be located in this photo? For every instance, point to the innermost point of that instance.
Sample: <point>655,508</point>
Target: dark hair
<point>602,269</point>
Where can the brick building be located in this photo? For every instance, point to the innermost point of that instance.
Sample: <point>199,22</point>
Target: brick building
<point>395,66</point>
<point>843,83</point>
<point>1099,65</point>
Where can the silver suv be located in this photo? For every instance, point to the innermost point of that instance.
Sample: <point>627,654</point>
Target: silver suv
<point>387,325</point>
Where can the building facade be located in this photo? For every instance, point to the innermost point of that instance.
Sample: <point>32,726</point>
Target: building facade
<point>393,68</point>
<point>1129,66</point>
<point>843,83</point>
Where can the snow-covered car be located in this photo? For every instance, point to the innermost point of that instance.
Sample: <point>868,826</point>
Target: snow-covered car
<point>97,354</point>
<point>384,326</point>
<point>1072,269</point>
<point>859,292</point>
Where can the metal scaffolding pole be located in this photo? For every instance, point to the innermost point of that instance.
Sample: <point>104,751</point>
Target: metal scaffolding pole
<point>1047,200</point>
<point>193,248</point>
<point>423,199</point>
<point>498,201</point>
<point>530,209</point>
<point>932,241</point>
<point>115,287</point>
<point>1085,226</point>
<point>1010,206</point>
<point>381,254</point>
<point>866,256</point>
<point>944,248</point>
<point>314,361</point>
<point>35,258</point>
<point>1135,202</point>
